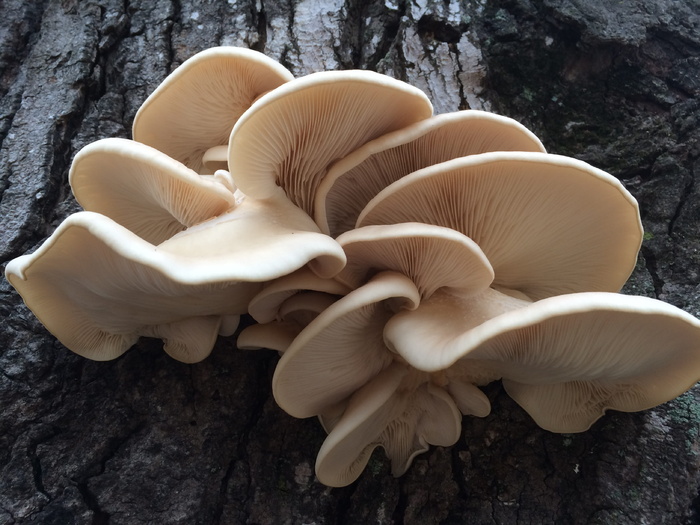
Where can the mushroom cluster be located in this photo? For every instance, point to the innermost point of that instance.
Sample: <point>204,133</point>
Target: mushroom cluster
<point>398,260</point>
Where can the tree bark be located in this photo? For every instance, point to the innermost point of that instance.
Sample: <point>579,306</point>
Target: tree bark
<point>146,439</point>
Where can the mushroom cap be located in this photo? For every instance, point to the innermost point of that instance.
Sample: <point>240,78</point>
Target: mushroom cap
<point>294,314</point>
<point>98,287</point>
<point>264,307</point>
<point>144,189</point>
<point>425,337</point>
<point>354,180</point>
<point>547,224</point>
<point>568,359</point>
<point>404,421</point>
<point>259,240</point>
<point>432,256</point>
<point>290,136</point>
<point>342,348</point>
<point>196,106</point>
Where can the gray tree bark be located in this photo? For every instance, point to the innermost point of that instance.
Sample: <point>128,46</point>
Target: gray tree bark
<point>146,439</point>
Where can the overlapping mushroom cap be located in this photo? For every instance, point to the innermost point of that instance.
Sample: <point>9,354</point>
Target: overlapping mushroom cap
<point>190,114</point>
<point>428,305</point>
<point>162,252</point>
<point>463,254</point>
<point>488,266</point>
<point>288,139</point>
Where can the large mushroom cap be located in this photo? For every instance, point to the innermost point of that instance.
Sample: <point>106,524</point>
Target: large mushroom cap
<point>548,224</point>
<point>567,359</point>
<point>354,180</point>
<point>196,106</point>
<point>144,189</point>
<point>98,287</point>
<point>289,137</point>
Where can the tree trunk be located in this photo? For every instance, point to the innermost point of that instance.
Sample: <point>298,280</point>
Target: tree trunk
<point>146,439</point>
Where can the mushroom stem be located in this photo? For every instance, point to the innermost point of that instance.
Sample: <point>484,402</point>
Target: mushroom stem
<point>216,158</point>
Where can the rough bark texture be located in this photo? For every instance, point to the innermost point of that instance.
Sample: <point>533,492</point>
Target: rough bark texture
<point>145,439</point>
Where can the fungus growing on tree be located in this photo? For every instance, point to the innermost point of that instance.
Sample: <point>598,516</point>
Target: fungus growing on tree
<point>189,116</point>
<point>398,261</point>
<point>288,138</point>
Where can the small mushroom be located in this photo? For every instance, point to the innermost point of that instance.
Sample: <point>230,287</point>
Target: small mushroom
<point>288,138</point>
<point>144,189</point>
<point>342,348</point>
<point>293,315</point>
<point>389,411</point>
<point>548,224</point>
<point>354,180</point>
<point>264,307</point>
<point>189,116</point>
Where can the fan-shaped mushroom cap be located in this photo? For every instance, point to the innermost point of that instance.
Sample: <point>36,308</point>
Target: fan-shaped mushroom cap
<point>548,224</point>
<point>143,189</point>
<point>568,359</point>
<point>98,287</point>
<point>432,256</point>
<point>354,180</point>
<point>424,337</point>
<point>342,348</point>
<point>289,137</point>
<point>259,240</point>
<point>385,412</point>
<point>196,106</point>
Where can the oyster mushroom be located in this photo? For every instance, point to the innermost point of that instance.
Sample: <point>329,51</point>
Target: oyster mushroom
<point>566,359</point>
<point>288,138</point>
<point>189,116</point>
<point>387,412</point>
<point>342,348</point>
<point>547,224</point>
<point>98,287</point>
<point>354,180</point>
<point>143,189</point>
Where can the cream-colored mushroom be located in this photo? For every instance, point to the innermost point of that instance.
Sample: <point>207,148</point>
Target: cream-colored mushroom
<point>189,116</point>
<point>548,224</point>
<point>264,307</point>
<point>393,412</point>
<point>144,189</point>
<point>354,180</point>
<point>289,137</point>
<point>293,315</point>
<point>431,256</point>
<point>565,359</point>
<point>98,287</point>
<point>342,348</point>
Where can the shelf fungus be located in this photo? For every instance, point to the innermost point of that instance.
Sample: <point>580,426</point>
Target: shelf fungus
<point>162,252</point>
<point>397,260</point>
